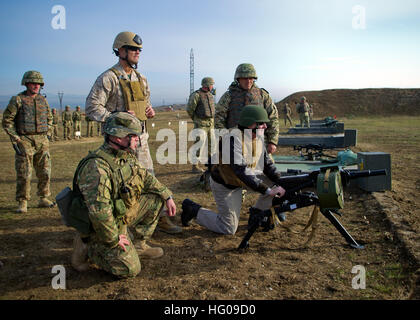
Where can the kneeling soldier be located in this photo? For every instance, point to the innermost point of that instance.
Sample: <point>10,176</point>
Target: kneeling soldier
<point>117,193</point>
<point>228,180</point>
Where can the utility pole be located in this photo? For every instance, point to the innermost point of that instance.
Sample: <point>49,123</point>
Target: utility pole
<point>60,97</point>
<point>191,71</point>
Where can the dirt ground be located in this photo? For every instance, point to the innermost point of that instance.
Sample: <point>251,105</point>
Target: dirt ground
<point>199,264</point>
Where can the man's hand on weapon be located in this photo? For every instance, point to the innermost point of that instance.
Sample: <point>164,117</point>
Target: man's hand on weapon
<point>271,148</point>
<point>277,192</point>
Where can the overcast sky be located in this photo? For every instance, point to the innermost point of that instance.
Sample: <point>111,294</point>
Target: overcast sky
<point>294,45</point>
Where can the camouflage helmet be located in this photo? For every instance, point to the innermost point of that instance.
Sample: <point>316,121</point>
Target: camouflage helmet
<point>121,124</point>
<point>207,82</point>
<point>252,114</point>
<point>67,107</point>
<point>245,70</point>
<point>77,107</point>
<point>127,38</point>
<point>53,110</point>
<point>32,77</point>
<point>303,98</point>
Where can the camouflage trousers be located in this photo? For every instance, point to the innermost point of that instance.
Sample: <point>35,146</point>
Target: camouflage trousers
<point>287,118</point>
<point>34,151</point>
<point>304,120</point>
<point>205,125</point>
<point>54,132</point>
<point>67,128</point>
<point>89,128</point>
<point>77,126</point>
<point>143,153</point>
<point>143,217</point>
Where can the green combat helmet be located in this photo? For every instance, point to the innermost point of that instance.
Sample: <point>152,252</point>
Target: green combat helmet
<point>32,77</point>
<point>207,82</point>
<point>245,70</point>
<point>121,124</point>
<point>252,114</point>
<point>78,108</point>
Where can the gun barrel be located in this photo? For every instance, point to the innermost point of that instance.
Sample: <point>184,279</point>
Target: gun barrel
<point>365,173</point>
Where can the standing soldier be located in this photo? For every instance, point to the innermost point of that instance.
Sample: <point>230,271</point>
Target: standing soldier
<point>67,122</point>
<point>55,125</point>
<point>302,109</point>
<point>77,122</point>
<point>287,114</point>
<point>89,126</point>
<point>244,91</point>
<point>123,88</point>
<point>201,110</point>
<point>27,120</point>
<point>311,111</point>
<point>117,193</point>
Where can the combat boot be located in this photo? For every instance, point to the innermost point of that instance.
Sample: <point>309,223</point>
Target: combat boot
<point>189,211</point>
<point>196,169</point>
<point>23,206</point>
<point>144,250</point>
<point>45,203</point>
<point>79,256</point>
<point>165,225</point>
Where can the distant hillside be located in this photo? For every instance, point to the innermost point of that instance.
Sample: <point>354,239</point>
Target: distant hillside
<point>347,102</point>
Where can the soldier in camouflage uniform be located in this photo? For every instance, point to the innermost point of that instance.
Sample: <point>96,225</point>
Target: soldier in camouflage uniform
<point>244,91</point>
<point>302,109</point>
<point>54,136</point>
<point>67,118</point>
<point>123,88</point>
<point>77,122</point>
<point>201,110</point>
<point>28,120</point>
<point>287,114</point>
<point>119,193</point>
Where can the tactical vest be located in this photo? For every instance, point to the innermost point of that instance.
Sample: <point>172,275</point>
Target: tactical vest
<point>205,105</point>
<point>67,116</point>
<point>226,171</point>
<point>239,99</point>
<point>134,94</point>
<point>32,116</point>
<point>126,186</point>
<point>55,118</point>
<point>77,116</point>
<point>303,107</point>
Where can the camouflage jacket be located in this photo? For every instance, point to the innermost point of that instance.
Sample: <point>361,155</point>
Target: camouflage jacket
<point>223,107</point>
<point>67,116</point>
<point>11,112</point>
<point>95,181</point>
<point>106,95</point>
<point>77,116</point>
<point>199,108</point>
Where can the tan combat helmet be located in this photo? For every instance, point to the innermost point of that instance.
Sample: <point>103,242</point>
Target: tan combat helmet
<point>207,82</point>
<point>67,108</point>
<point>245,70</point>
<point>78,108</point>
<point>303,99</point>
<point>32,77</point>
<point>127,38</point>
